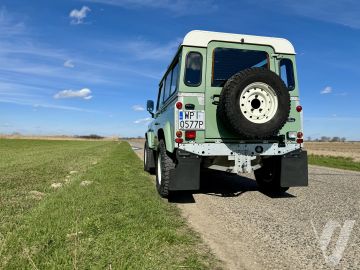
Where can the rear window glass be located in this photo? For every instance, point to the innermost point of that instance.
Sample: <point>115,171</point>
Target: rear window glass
<point>287,73</point>
<point>228,62</point>
<point>193,69</point>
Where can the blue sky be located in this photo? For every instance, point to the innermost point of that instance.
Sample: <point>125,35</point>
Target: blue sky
<point>88,66</point>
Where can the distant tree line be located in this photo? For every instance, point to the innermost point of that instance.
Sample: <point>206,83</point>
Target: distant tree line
<point>327,139</point>
<point>91,136</point>
<point>129,138</point>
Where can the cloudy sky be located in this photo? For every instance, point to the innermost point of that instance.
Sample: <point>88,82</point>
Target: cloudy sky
<point>88,66</point>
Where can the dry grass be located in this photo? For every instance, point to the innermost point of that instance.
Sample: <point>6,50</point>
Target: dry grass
<point>335,149</point>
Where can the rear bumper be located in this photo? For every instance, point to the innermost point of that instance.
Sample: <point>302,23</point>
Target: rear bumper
<point>230,149</point>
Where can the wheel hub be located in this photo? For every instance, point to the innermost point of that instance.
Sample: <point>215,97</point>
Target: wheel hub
<point>258,102</point>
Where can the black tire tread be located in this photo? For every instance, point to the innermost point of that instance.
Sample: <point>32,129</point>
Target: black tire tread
<point>272,164</point>
<point>167,165</point>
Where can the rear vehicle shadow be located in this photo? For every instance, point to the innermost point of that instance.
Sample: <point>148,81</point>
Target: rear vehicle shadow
<point>221,184</point>
<point>216,183</point>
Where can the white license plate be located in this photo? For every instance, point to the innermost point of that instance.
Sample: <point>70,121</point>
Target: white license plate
<point>194,120</point>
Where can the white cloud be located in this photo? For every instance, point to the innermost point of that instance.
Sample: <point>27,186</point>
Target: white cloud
<point>141,49</point>
<point>46,106</point>
<point>143,120</point>
<point>77,16</point>
<point>8,25</point>
<point>138,108</point>
<point>84,93</point>
<point>69,63</point>
<point>326,90</point>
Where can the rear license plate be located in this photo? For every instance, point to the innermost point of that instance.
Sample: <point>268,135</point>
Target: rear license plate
<point>194,120</point>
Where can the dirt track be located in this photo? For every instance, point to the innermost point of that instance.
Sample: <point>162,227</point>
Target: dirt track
<point>247,229</point>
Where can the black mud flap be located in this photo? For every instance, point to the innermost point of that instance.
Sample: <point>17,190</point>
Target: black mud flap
<point>186,175</point>
<point>151,160</point>
<point>294,169</point>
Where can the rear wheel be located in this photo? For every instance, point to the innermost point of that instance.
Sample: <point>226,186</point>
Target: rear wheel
<point>268,176</point>
<point>164,164</point>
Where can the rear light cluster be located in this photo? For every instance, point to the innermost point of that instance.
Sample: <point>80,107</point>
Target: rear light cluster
<point>189,135</point>
<point>179,105</point>
<point>300,136</point>
<point>179,134</point>
<point>292,135</point>
<point>179,138</point>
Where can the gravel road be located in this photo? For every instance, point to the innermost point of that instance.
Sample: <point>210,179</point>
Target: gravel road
<point>317,227</point>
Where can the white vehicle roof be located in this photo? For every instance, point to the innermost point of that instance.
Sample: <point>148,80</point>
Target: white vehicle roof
<point>198,38</point>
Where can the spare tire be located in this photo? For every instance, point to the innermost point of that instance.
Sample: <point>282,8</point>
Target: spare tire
<point>254,103</point>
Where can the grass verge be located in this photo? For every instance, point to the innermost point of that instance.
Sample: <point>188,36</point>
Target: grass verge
<point>115,221</point>
<point>334,162</point>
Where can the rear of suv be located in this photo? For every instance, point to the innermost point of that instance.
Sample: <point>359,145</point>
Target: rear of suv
<point>227,102</point>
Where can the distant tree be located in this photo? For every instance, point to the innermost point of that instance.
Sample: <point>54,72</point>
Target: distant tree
<point>324,139</point>
<point>335,139</point>
<point>343,139</point>
<point>309,139</point>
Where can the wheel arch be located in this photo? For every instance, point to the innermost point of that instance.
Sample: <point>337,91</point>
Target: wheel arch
<point>150,138</point>
<point>166,134</point>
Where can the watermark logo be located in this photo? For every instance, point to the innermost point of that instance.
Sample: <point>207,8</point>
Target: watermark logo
<point>327,234</point>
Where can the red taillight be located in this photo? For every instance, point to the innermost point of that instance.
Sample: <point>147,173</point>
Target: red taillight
<point>179,140</point>
<point>178,134</point>
<point>299,140</point>
<point>298,108</point>
<point>190,134</point>
<point>179,105</point>
<point>300,134</point>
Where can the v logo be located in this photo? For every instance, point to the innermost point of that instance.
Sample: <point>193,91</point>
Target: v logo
<point>325,238</point>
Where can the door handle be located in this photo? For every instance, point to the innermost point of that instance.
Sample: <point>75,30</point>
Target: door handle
<point>215,99</point>
<point>156,124</point>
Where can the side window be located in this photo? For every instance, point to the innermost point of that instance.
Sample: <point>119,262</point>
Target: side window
<point>193,69</point>
<point>167,86</point>
<point>174,79</point>
<point>287,73</point>
<point>160,96</point>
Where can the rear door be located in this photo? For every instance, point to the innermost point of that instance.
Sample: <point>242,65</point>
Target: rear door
<point>224,60</point>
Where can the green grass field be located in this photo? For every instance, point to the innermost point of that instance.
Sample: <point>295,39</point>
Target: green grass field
<point>334,162</point>
<point>102,211</point>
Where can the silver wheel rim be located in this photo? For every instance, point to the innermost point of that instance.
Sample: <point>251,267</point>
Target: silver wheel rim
<point>258,102</point>
<point>159,169</point>
<point>145,156</point>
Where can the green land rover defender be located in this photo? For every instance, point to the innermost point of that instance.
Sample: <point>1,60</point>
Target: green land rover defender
<point>227,102</point>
